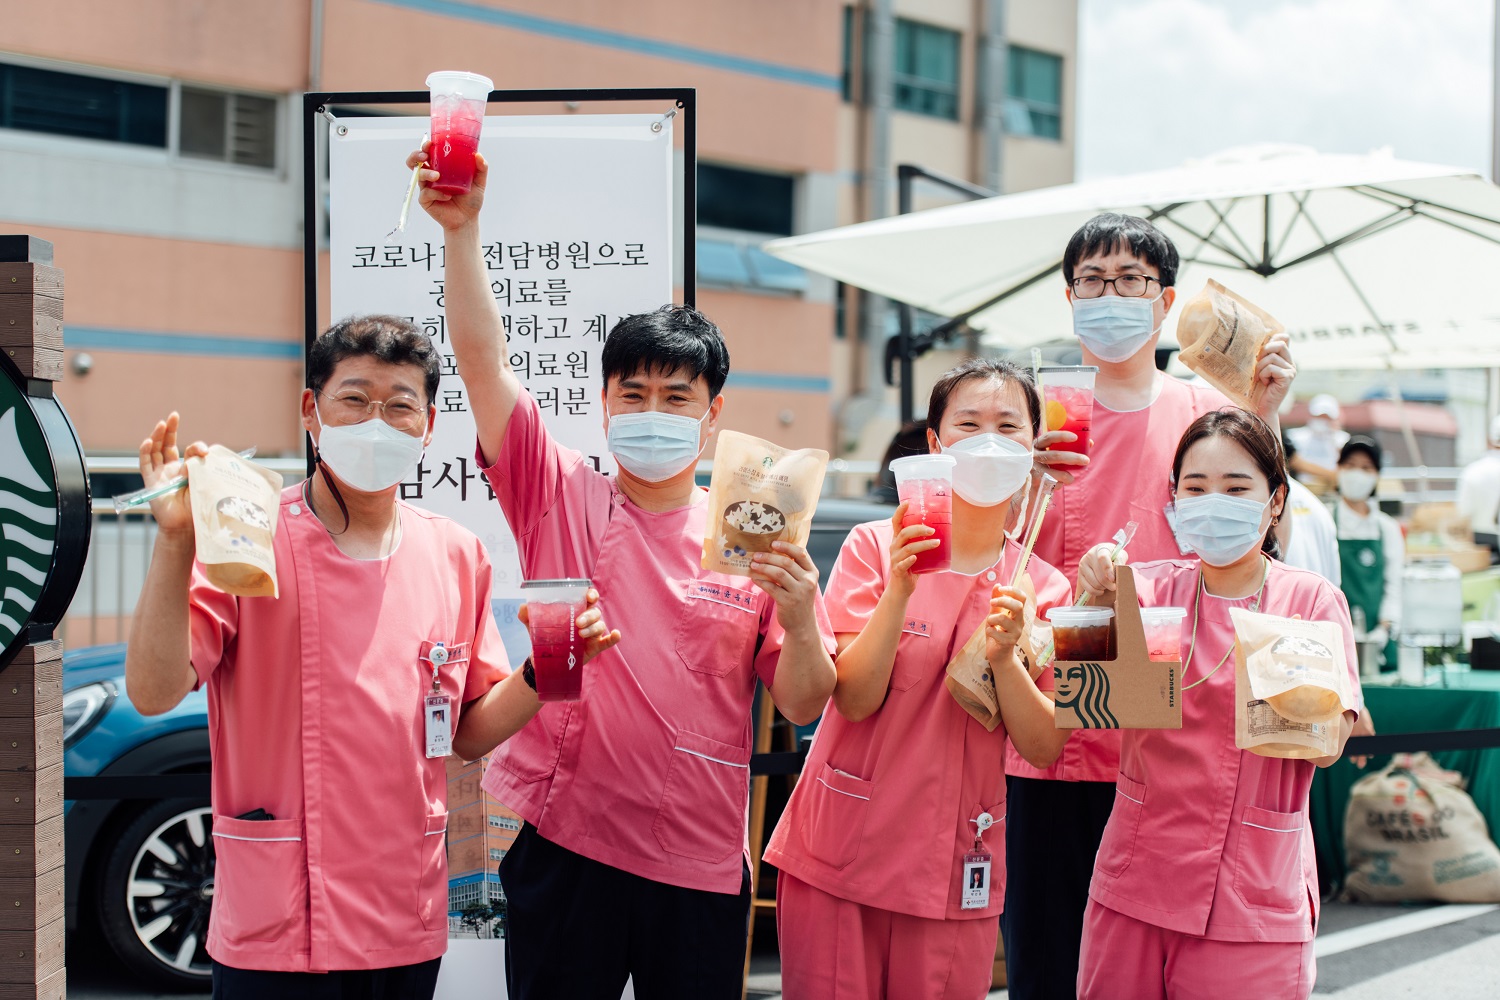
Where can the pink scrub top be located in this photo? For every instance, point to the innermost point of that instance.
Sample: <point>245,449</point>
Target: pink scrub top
<point>649,771</point>
<point>881,815</point>
<point>1127,479</point>
<point>1206,839</point>
<point>315,714</point>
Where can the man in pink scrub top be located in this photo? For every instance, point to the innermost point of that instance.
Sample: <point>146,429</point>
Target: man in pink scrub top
<point>1120,272</point>
<point>632,861</point>
<point>329,780</point>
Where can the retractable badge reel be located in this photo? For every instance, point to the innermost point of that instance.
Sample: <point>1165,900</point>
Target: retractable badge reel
<point>437,708</point>
<point>975,890</point>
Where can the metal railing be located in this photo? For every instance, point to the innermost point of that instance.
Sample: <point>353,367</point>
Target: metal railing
<point>119,553</point>
<point>120,550</point>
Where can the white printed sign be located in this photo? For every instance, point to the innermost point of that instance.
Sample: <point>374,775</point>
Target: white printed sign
<point>578,229</point>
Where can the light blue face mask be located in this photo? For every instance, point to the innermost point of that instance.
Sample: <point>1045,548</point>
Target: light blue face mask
<point>1220,528</point>
<point>1114,327</point>
<point>654,446</point>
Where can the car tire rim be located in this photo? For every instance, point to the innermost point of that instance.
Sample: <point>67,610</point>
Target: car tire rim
<point>170,891</point>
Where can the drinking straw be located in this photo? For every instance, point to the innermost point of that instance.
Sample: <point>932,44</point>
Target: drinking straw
<point>125,501</point>
<point>1048,484</point>
<point>411,189</point>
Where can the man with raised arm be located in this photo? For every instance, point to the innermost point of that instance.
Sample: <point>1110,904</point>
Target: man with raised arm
<point>1120,272</point>
<point>632,859</point>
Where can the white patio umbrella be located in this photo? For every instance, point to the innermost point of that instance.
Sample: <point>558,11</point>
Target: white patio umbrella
<point>1370,261</point>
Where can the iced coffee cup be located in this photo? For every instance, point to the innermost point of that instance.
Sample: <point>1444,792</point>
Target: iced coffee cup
<point>1163,632</point>
<point>1068,402</point>
<point>925,484</point>
<point>1082,633</point>
<point>458,104</point>
<point>552,610</point>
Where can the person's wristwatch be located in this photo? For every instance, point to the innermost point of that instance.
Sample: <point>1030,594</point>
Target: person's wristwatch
<point>528,673</point>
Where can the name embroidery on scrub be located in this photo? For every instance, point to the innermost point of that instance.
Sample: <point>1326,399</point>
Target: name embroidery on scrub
<point>707,590</point>
<point>917,626</point>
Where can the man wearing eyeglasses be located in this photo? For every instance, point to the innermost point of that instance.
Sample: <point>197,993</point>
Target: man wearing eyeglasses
<point>332,706</point>
<point>1120,272</point>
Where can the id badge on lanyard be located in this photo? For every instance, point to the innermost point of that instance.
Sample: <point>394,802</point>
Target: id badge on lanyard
<point>975,873</point>
<point>437,708</point>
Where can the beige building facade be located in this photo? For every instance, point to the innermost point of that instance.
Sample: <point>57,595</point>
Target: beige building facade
<point>157,144</point>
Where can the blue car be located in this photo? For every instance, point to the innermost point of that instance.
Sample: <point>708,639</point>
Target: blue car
<point>142,871</point>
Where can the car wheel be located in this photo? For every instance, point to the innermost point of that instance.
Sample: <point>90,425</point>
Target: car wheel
<point>156,889</point>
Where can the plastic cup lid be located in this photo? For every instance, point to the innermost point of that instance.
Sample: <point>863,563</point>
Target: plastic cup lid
<point>1080,617</point>
<point>1163,616</point>
<point>924,467</point>
<point>470,85</point>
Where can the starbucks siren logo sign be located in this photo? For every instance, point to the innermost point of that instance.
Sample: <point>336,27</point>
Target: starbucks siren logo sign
<point>28,512</point>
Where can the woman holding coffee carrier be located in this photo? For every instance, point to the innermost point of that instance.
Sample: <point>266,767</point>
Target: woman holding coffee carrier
<point>891,850</point>
<point>1206,866</point>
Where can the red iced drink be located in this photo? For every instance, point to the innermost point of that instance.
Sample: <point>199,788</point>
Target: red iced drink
<point>552,610</point>
<point>452,154</point>
<point>1068,404</point>
<point>1071,409</point>
<point>1163,627</point>
<point>458,104</point>
<point>930,502</point>
<point>556,651</point>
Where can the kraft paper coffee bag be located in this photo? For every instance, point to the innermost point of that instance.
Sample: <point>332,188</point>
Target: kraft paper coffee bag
<point>760,493</point>
<point>235,505</point>
<point>1291,685</point>
<point>1221,334</point>
<point>971,679</point>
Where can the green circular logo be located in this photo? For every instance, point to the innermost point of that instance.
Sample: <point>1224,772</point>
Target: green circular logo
<point>28,511</point>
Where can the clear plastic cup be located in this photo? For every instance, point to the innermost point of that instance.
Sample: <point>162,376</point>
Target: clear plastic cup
<point>925,483</point>
<point>1083,633</point>
<point>458,104</point>
<point>1163,632</point>
<point>552,610</point>
<point>1068,403</point>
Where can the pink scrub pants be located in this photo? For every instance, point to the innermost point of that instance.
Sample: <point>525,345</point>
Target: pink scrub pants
<point>832,949</point>
<point>1128,959</point>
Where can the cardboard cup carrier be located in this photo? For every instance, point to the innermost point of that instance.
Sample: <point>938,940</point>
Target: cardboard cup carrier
<point>1132,691</point>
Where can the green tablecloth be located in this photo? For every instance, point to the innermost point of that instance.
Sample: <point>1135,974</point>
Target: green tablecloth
<point>1471,701</point>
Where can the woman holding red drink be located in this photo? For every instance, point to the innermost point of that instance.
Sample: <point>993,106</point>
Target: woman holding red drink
<point>891,851</point>
<point>1205,884</point>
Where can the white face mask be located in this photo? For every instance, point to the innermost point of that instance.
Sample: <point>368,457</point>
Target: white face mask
<point>1357,484</point>
<point>1114,327</point>
<point>991,468</point>
<point>371,456</point>
<point>654,446</point>
<point>1220,528</point>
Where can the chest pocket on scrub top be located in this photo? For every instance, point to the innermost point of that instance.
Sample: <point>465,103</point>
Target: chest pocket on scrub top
<point>916,651</point>
<point>719,625</point>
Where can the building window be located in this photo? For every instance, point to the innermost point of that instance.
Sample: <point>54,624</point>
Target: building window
<point>505,822</point>
<point>497,853</point>
<point>1033,98</point>
<point>211,124</point>
<point>89,107</point>
<point>230,128</point>
<point>926,72</point>
<point>749,200</point>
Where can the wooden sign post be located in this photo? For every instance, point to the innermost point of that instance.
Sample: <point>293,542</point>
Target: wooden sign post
<point>44,533</point>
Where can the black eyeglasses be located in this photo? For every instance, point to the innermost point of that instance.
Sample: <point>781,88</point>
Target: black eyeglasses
<point>1130,286</point>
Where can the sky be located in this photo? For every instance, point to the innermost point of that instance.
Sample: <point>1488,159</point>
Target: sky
<point>1165,81</point>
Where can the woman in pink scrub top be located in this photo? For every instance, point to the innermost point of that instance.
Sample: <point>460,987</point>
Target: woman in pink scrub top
<point>1205,884</point>
<point>876,897</point>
